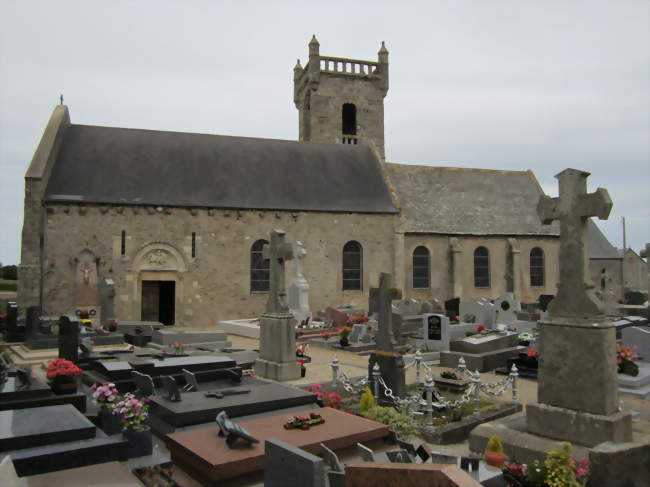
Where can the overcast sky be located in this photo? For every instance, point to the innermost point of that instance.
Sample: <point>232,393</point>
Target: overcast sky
<point>540,85</point>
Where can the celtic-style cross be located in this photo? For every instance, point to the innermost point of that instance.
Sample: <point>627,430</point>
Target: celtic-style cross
<point>575,297</point>
<point>277,252</point>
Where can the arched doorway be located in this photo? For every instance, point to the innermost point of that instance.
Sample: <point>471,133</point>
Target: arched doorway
<point>158,289</point>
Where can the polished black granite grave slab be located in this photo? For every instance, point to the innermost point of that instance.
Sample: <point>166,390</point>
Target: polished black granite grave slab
<point>114,369</point>
<point>69,454</point>
<point>10,390</point>
<point>28,428</point>
<point>78,400</point>
<point>195,408</point>
<point>191,363</point>
<point>44,342</point>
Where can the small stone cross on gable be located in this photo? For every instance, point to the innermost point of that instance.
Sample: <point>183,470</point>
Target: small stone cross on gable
<point>278,251</point>
<point>575,297</point>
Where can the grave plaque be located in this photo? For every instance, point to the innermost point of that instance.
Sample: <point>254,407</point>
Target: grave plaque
<point>399,456</point>
<point>144,383</point>
<point>288,466</point>
<point>69,338</point>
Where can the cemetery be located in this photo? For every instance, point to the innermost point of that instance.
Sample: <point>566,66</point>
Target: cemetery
<point>150,368</point>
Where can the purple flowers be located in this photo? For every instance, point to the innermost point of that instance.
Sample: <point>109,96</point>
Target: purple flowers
<point>105,395</point>
<point>134,411</point>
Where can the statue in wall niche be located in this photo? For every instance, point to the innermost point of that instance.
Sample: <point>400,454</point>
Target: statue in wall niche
<point>86,292</point>
<point>86,272</point>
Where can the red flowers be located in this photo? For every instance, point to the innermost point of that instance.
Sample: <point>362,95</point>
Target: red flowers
<point>532,353</point>
<point>480,328</point>
<point>330,399</point>
<point>356,319</point>
<point>61,367</point>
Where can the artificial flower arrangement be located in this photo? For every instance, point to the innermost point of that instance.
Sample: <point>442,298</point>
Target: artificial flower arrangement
<point>134,411</point>
<point>559,469</point>
<point>61,371</point>
<point>304,422</point>
<point>532,353</point>
<point>329,399</point>
<point>480,328</point>
<point>106,395</point>
<point>301,350</point>
<point>449,374</point>
<point>178,347</point>
<point>625,357</point>
<point>356,319</point>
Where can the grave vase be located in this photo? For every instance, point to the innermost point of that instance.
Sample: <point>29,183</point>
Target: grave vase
<point>110,423</point>
<point>63,384</point>
<point>139,443</point>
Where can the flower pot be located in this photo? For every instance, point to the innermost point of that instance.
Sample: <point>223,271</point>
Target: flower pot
<point>344,342</point>
<point>495,459</point>
<point>63,387</point>
<point>110,423</point>
<point>303,371</point>
<point>628,368</point>
<point>139,443</point>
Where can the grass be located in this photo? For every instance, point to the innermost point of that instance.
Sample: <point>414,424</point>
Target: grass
<point>7,285</point>
<point>3,306</point>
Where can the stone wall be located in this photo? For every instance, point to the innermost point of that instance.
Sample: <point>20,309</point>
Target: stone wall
<point>216,283</point>
<point>498,247</point>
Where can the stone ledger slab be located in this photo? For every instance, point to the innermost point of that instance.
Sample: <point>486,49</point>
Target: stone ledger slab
<point>400,475</point>
<point>482,362</point>
<point>91,476</point>
<point>27,428</point>
<point>10,391</point>
<point>206,456</point>
<point>195,408</point>
<point>484,344</point>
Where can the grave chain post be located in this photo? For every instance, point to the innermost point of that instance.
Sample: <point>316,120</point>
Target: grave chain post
<point>476,381</point>
<point>335,371</point>
<point>428,388</point>
<point>514,373</point>
<point>376,373</point>
<point>418,364</point>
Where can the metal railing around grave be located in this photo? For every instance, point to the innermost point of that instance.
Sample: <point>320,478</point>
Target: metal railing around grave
<point>434,400</point>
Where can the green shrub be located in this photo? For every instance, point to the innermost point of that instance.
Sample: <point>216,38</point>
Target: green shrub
<point>494,445</point>
<point>367,401</point>
<point>401,422</point>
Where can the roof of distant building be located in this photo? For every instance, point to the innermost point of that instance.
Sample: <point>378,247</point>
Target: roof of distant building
<point>452,200</point>
<point>108,165</point>
<point>598,246</point>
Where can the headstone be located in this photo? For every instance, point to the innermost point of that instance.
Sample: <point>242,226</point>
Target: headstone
<point>144,384</point>
<point>339,318</point>
<point>635,297</point>
<point>298,287</point>
<point>406,307</point>
<point>436,332</point>
<point>545,300</point>
<point>452,308</point>
<point>13,331</point>
<point>390,362</point>
<point>355,335</point>
<point>479,311</point>
<point>173,392</point>
<point>69,338</point>
<point>107,301</point>
<point>431,306</point>
<point>638,336</point>
<point>367,455</point>
<point>277,359</point>
<point>423,453</point>
<point>331,459</point>
<point>288,466</point>
<point>506,308</point>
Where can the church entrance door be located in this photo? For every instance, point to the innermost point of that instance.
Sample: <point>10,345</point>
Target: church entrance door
<point>158,298</point>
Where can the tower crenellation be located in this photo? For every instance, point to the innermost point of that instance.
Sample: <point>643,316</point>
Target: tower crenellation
<point>341,100</point>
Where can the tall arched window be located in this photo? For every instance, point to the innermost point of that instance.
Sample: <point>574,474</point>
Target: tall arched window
<point>260,272</point>
<point>352,266</point>
<point>421,268</point>
<point>481,267</point>
<point>537,267</point>
<point>349,117</point>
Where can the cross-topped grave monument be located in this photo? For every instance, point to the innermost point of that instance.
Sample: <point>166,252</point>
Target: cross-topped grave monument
<point>277,359</point>
<point>575,297</point>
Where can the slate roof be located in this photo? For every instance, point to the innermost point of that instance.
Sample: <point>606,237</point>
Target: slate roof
<point>131,166</point>
<point>598,246</point>
<point>451,200</point>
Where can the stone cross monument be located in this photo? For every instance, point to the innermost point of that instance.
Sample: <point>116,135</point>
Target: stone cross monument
<point>391,363</point>
<point>277,359</point>
<point>575,297</point>
<point>578,382</point>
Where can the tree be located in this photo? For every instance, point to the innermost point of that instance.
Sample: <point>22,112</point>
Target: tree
<point>10,272</point>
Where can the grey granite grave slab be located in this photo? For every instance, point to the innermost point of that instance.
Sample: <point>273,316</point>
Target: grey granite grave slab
<point>27,428</point>
<point>167,337</point>
<point>147,326</point>
<point>482,362</point>
<point>637,386</point>
<point>78,400</point>
<point>490,342</point>
<point>288,466</point>
<point>114,370</point>
<point>195,408</point>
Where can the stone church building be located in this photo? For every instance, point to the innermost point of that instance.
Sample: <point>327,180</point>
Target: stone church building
<point>177,220</point>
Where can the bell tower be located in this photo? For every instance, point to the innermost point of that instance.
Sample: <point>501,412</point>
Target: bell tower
<point>341,100</point>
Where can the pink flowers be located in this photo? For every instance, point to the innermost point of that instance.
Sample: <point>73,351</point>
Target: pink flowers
<point>134,411</point>
<point>105,395</point>
<point>330,399</point>
<point>516,468</point>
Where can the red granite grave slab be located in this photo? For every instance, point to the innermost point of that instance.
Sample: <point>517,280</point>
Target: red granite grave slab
<point>406,475</point>
<point>100,475</point>
<point>205,455</point>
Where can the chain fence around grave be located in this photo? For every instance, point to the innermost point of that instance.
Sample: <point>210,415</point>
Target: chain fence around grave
<point>434,400</point>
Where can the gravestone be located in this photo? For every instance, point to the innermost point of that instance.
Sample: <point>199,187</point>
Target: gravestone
<point>298,288</point>
<point>32,322</point>
<point>399,456</point>
<point>13,331</point>
<point>69,338</point>
<point>578,383</point>
<point>452,308</point>
<point>144,384</point>
<point>478,311</point>
<point>277,359</point>
<point>406,307</point>
<point>435,332</point>
<point>288,466</point>
<point>638,336</point>
<point>507,307</point>
<point>391,363</point>
<point>173,392</point>
<point>107,301</point>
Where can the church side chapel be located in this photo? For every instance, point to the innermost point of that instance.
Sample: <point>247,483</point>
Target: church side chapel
<point>177,221</point>
<point>208,310</point>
